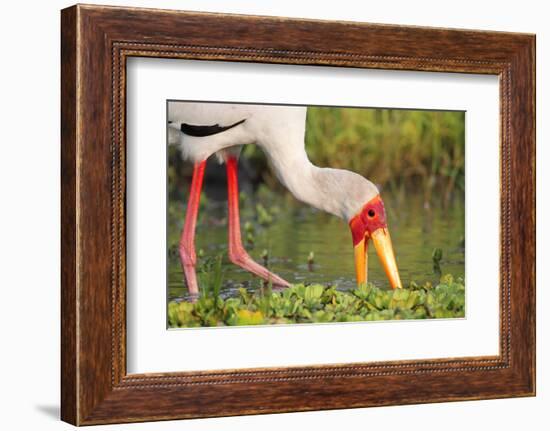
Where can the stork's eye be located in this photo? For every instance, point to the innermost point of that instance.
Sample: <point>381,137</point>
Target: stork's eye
<point>371,213</point>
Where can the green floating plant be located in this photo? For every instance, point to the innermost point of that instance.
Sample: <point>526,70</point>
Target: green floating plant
<point>316,303</point>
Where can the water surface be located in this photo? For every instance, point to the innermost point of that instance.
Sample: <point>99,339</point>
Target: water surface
<point>417,227</point>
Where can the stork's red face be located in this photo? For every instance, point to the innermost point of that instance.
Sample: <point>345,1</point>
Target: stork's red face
<point>370,223</point>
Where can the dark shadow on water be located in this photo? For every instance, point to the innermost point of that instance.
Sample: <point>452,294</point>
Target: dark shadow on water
<point>51,411</point>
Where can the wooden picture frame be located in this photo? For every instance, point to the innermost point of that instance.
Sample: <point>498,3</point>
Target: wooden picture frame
<point>95,43</point>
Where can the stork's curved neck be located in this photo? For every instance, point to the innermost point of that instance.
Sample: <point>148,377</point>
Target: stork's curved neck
<point>322,188</point>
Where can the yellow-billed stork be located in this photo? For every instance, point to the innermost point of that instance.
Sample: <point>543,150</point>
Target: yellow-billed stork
<point>204,129</point>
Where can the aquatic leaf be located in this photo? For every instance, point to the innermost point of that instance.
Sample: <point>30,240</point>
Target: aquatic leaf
<point>312,295</point>
<point>317,303</point>
<point>446,279</point>
<point>379,301</point>
<point>296,305</point>
<point>420,313</point>
<point>247,317</point>
<point>363,291</point>
<point>172,313</point>
<point>329,295</point>
<point>375,315</point>
<point>322,316</point>
<point>243,293</point>
<point>304,313</point>
<point>412,300</point>
<point>299,290</point>
<point>399,298</point>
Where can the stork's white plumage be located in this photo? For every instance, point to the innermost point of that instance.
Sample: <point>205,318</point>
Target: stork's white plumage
<point>204,129</point>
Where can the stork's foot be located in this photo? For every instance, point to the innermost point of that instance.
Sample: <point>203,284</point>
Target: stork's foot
<point>188,263</point>
<point>240,257</point>
<point>191,279</point>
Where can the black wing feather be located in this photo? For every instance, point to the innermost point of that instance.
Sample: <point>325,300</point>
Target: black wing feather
<point>201,131</point>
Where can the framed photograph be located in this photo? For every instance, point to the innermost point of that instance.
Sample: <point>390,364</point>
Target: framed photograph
<point>268,215</point>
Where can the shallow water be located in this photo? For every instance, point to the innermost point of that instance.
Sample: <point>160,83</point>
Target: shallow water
<point>417,228</point>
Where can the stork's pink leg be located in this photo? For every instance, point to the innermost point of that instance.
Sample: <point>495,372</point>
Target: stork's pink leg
<point>187,240</point>
<point>237,253</point>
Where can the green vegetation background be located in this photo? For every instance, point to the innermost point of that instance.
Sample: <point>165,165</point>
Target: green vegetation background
<point>394,147</point>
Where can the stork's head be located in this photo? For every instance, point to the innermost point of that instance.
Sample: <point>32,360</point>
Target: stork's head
<point>369,223</point>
